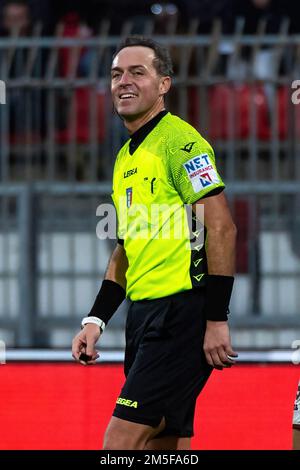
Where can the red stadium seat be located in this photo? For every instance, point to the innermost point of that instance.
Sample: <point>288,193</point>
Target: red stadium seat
<point>282,112</point>
<point>285,109</point>
<point>71,27</point>
<point>224,98</point>
<point>239,98</point>
<point>83,127</point>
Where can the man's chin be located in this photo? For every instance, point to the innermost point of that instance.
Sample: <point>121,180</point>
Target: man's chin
<point>128,116</point>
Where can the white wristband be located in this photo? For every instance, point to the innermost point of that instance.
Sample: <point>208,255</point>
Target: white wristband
<point>94,320</point>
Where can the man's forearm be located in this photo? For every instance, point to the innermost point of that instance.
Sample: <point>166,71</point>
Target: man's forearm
<point>220,250</point>
<point>117,266</point>
<point>112,291</point>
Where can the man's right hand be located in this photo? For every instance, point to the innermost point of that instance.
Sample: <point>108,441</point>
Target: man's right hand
<point>84,342</point>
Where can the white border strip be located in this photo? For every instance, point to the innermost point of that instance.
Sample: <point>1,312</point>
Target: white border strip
<point>61,355</point>
<point>65,355</point>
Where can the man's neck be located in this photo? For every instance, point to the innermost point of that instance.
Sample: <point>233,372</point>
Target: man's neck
<point>133,126</point>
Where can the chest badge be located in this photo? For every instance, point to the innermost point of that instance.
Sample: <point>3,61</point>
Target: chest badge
<point>128,197</point>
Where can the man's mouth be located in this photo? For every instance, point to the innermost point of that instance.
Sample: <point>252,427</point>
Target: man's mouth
<point>127,96</point>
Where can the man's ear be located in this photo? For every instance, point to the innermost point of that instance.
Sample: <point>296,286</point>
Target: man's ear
<point>165,85</point>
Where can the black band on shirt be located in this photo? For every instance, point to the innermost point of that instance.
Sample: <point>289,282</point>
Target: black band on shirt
<point>109,298</point>
<point>218,293</point>
<point>139,136</point>
<point>214,192</point>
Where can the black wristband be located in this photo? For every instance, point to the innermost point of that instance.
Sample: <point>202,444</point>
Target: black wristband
<point>218,293</point>
<point>109,298</point>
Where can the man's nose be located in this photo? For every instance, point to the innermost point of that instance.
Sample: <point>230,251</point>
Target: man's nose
<point>125,79</point>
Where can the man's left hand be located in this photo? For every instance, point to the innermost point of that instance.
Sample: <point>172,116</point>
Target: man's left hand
<point>217,345</point>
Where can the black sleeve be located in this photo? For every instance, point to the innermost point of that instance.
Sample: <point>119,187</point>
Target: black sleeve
<point>214,192</point>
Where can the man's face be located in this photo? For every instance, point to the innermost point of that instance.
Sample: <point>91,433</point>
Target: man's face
<point>16,17</point>
<point>135,85</point>
<point>261,3</point>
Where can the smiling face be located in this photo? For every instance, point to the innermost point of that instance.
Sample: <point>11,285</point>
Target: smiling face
<point>137,89</point>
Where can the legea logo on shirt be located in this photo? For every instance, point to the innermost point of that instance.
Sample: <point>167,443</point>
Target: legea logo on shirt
<point>130,172</point>
<point>201,172</point>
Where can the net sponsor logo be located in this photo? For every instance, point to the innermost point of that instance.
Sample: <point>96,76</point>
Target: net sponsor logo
<point>201,172</point>
<point>195,163</point>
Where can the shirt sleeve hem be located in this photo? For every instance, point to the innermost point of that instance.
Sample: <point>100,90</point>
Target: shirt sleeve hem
<point>207,194</point>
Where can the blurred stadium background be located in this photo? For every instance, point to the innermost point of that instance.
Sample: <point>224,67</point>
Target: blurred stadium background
<point>234,67</point>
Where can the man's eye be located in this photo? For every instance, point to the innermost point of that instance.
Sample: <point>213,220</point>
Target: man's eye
<point>115,75</point>
<point>138,73</point>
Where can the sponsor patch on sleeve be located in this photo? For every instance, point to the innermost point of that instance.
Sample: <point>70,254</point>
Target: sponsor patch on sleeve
<point>201,172</point>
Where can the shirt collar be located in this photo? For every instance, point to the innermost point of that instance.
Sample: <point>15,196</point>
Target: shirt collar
<point>139,135</point>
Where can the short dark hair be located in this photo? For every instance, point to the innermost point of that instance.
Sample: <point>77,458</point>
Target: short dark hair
<point>21,3</point>
<point>162,61</point>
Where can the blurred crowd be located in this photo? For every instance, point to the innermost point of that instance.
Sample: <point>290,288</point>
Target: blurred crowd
<point>21,15</point>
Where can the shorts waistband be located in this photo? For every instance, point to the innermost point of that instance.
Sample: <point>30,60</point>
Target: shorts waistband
<point>184,293</point>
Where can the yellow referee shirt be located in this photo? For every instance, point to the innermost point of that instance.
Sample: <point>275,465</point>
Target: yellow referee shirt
<point>164,166</point>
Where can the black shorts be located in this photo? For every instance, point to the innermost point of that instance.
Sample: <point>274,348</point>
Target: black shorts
<point>165,365</point>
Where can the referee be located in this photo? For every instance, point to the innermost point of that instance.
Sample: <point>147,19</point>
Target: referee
<point>176,330</point>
